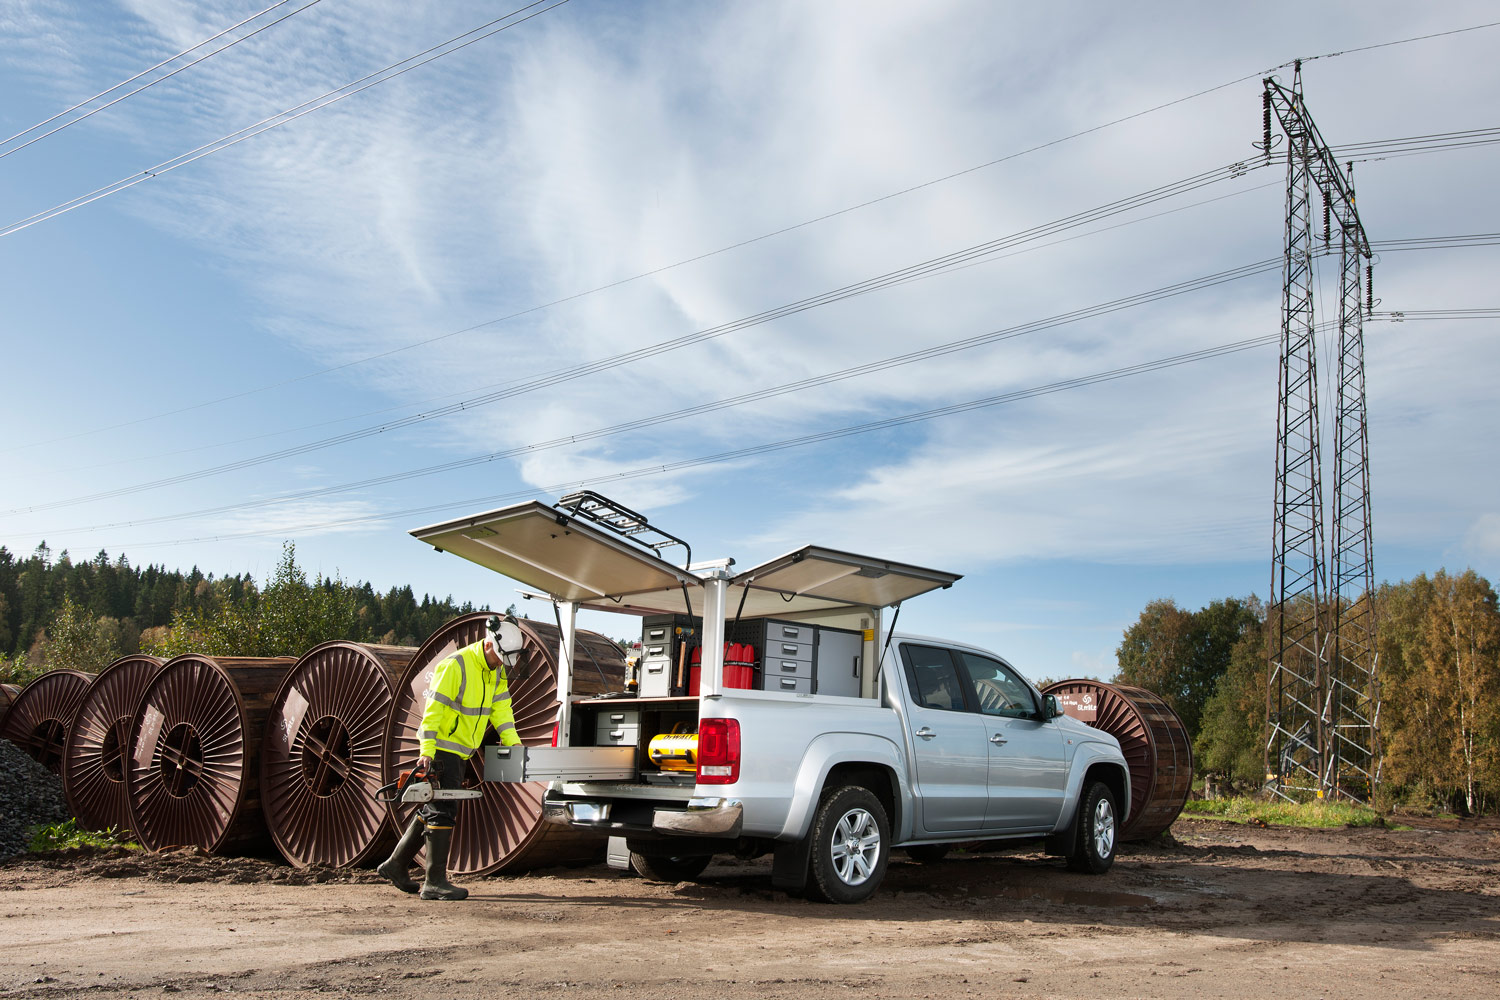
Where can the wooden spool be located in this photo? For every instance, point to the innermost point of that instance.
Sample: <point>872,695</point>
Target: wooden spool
<point>193,769</point>
<point>324,751</point>
<point>503,830</point>
<point>42,714</point>
<point>1152,738</point>
<point>94,759</point>
<point>8,694</point>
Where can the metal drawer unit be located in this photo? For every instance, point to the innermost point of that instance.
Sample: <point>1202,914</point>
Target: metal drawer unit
<point>808,659</point>
<point>778,667</point>
<point>786,682</point>
<point>622,728</point>
<point>661,646</point>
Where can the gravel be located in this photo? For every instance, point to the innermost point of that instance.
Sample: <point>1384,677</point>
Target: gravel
<point>29,795</point>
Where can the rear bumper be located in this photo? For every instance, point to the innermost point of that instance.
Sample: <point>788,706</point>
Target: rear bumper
<point>698,817</point>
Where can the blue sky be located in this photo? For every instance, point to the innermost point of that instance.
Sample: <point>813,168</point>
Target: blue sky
<point>601,141</point>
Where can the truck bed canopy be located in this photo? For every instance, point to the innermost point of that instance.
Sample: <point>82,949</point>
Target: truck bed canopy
<point>574,561</point>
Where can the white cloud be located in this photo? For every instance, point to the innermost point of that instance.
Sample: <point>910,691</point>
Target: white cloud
<point>598,142</point>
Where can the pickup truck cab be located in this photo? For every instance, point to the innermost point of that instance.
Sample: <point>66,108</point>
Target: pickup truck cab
<point>828,741</point>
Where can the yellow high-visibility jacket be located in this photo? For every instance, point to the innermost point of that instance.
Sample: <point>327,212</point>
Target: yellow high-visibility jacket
<point>466,692</point>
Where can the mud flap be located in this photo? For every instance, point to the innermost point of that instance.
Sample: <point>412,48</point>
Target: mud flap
<point>789,869</point>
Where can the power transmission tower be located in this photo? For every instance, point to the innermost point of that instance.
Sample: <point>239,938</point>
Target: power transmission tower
<point>1322,703</point>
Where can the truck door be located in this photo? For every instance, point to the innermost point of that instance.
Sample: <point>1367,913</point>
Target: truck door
<point>1027,773</point>
<point>948,743</point>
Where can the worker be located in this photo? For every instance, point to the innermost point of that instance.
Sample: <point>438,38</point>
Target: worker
<point>469,690</point>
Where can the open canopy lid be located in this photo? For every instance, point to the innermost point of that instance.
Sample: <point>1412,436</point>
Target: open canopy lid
<point>569,559</point>
<point>813,578</point>
<point>566,558</point>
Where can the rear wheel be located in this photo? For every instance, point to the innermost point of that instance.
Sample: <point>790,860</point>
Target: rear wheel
<point>851,845</point>
<point>1096,831</point>
<point>669,868</point>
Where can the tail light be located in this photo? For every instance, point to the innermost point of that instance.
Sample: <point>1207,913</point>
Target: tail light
<point>555,727</point>
<point>718,751</point>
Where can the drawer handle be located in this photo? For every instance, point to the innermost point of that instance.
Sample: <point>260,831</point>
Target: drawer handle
<point>618,734</point>
<point>790,668</point>
<point>788,649</point>
<point>657,651</point>
<point>789,631</point>
<point>656,668</point>
<point>617,717</point>
<point>789,682</point>
<point>656,633</point>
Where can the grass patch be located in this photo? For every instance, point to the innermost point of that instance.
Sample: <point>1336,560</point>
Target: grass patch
<point>1278,813</point>
<point>61,836</point>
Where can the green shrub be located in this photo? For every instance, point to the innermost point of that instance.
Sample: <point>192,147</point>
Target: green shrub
<point>60,836</point>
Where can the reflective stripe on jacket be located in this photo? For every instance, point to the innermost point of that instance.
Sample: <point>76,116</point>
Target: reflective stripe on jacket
<point>465,694</point>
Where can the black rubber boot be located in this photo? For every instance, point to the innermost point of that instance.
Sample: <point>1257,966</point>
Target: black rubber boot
<point>396,867</point>
<point>437,885</point>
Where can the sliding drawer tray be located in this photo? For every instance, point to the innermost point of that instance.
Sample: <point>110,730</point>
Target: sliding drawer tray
<point>559,763</point>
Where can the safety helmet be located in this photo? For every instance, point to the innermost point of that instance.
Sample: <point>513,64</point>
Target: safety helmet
<point>509,640</point>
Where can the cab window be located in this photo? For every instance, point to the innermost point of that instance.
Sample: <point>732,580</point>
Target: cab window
<point>1001,691</point>
<point>932,677</point>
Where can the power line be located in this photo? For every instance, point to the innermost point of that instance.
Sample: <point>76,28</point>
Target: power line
<point>208,55</point>
<point>743,243</point>
<point>494,385</point>
<point>898,361</point>
<point>753,451</point>
<point>923,269</point>
<point>374,79</point>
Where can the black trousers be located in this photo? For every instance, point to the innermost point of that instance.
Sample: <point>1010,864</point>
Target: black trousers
<point>447,772</point>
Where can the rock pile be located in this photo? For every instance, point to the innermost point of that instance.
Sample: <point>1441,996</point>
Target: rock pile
<point>29,795</point>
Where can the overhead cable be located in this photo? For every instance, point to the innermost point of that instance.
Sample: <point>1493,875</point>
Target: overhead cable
<point>1030,248</point>
<point>752,451</point>
<point>927,268</point>
<point>886,364</point>
<point>364,83</point>
<point>1259,74</point>
<point>150,83</point>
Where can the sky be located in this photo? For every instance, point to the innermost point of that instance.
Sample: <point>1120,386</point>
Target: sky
<point>542,245</point>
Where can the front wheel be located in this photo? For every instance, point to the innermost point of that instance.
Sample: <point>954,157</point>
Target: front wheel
<point>669,868</point>
<point>851,845</point>
<point>1096,831</point>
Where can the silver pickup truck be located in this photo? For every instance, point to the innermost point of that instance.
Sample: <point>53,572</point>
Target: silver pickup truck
<point>774,712</point>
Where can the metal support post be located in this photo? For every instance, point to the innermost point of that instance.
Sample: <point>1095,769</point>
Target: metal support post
<point>715,600</point>
<point>567,613</point>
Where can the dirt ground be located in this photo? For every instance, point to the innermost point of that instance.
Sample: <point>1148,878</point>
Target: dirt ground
<point>1227,910</point>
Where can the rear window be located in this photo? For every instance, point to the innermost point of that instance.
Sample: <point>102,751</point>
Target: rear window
<point>932,678</point>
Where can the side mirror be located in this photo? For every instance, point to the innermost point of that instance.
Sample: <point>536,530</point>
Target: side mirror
<point>1050,708</point>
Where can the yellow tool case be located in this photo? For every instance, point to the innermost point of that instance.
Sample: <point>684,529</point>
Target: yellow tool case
<point>674,751</point>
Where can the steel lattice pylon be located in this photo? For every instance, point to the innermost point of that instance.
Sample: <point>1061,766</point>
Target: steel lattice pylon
<point>1322,700</point>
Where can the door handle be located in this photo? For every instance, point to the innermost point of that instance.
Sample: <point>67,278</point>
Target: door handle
<point>926,733</point>
<point>997,739</point>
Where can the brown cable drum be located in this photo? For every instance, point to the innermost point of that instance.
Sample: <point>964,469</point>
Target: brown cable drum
<point>324,749</point>
<point>94,759</point>
<point>503,830</point>
<point>42,715</point>
<point>1152,738</point>
<point>193,768</point>
<point>8,694</point>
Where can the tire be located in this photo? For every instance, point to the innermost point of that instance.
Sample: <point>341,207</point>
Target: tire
<point>669,869</point>
<point>1097,831</point>
<point>851,846</point>
<point>927,853</point>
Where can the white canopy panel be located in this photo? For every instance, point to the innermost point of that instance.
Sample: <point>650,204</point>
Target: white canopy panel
<point>572,560</point>
<point>569,559</point>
